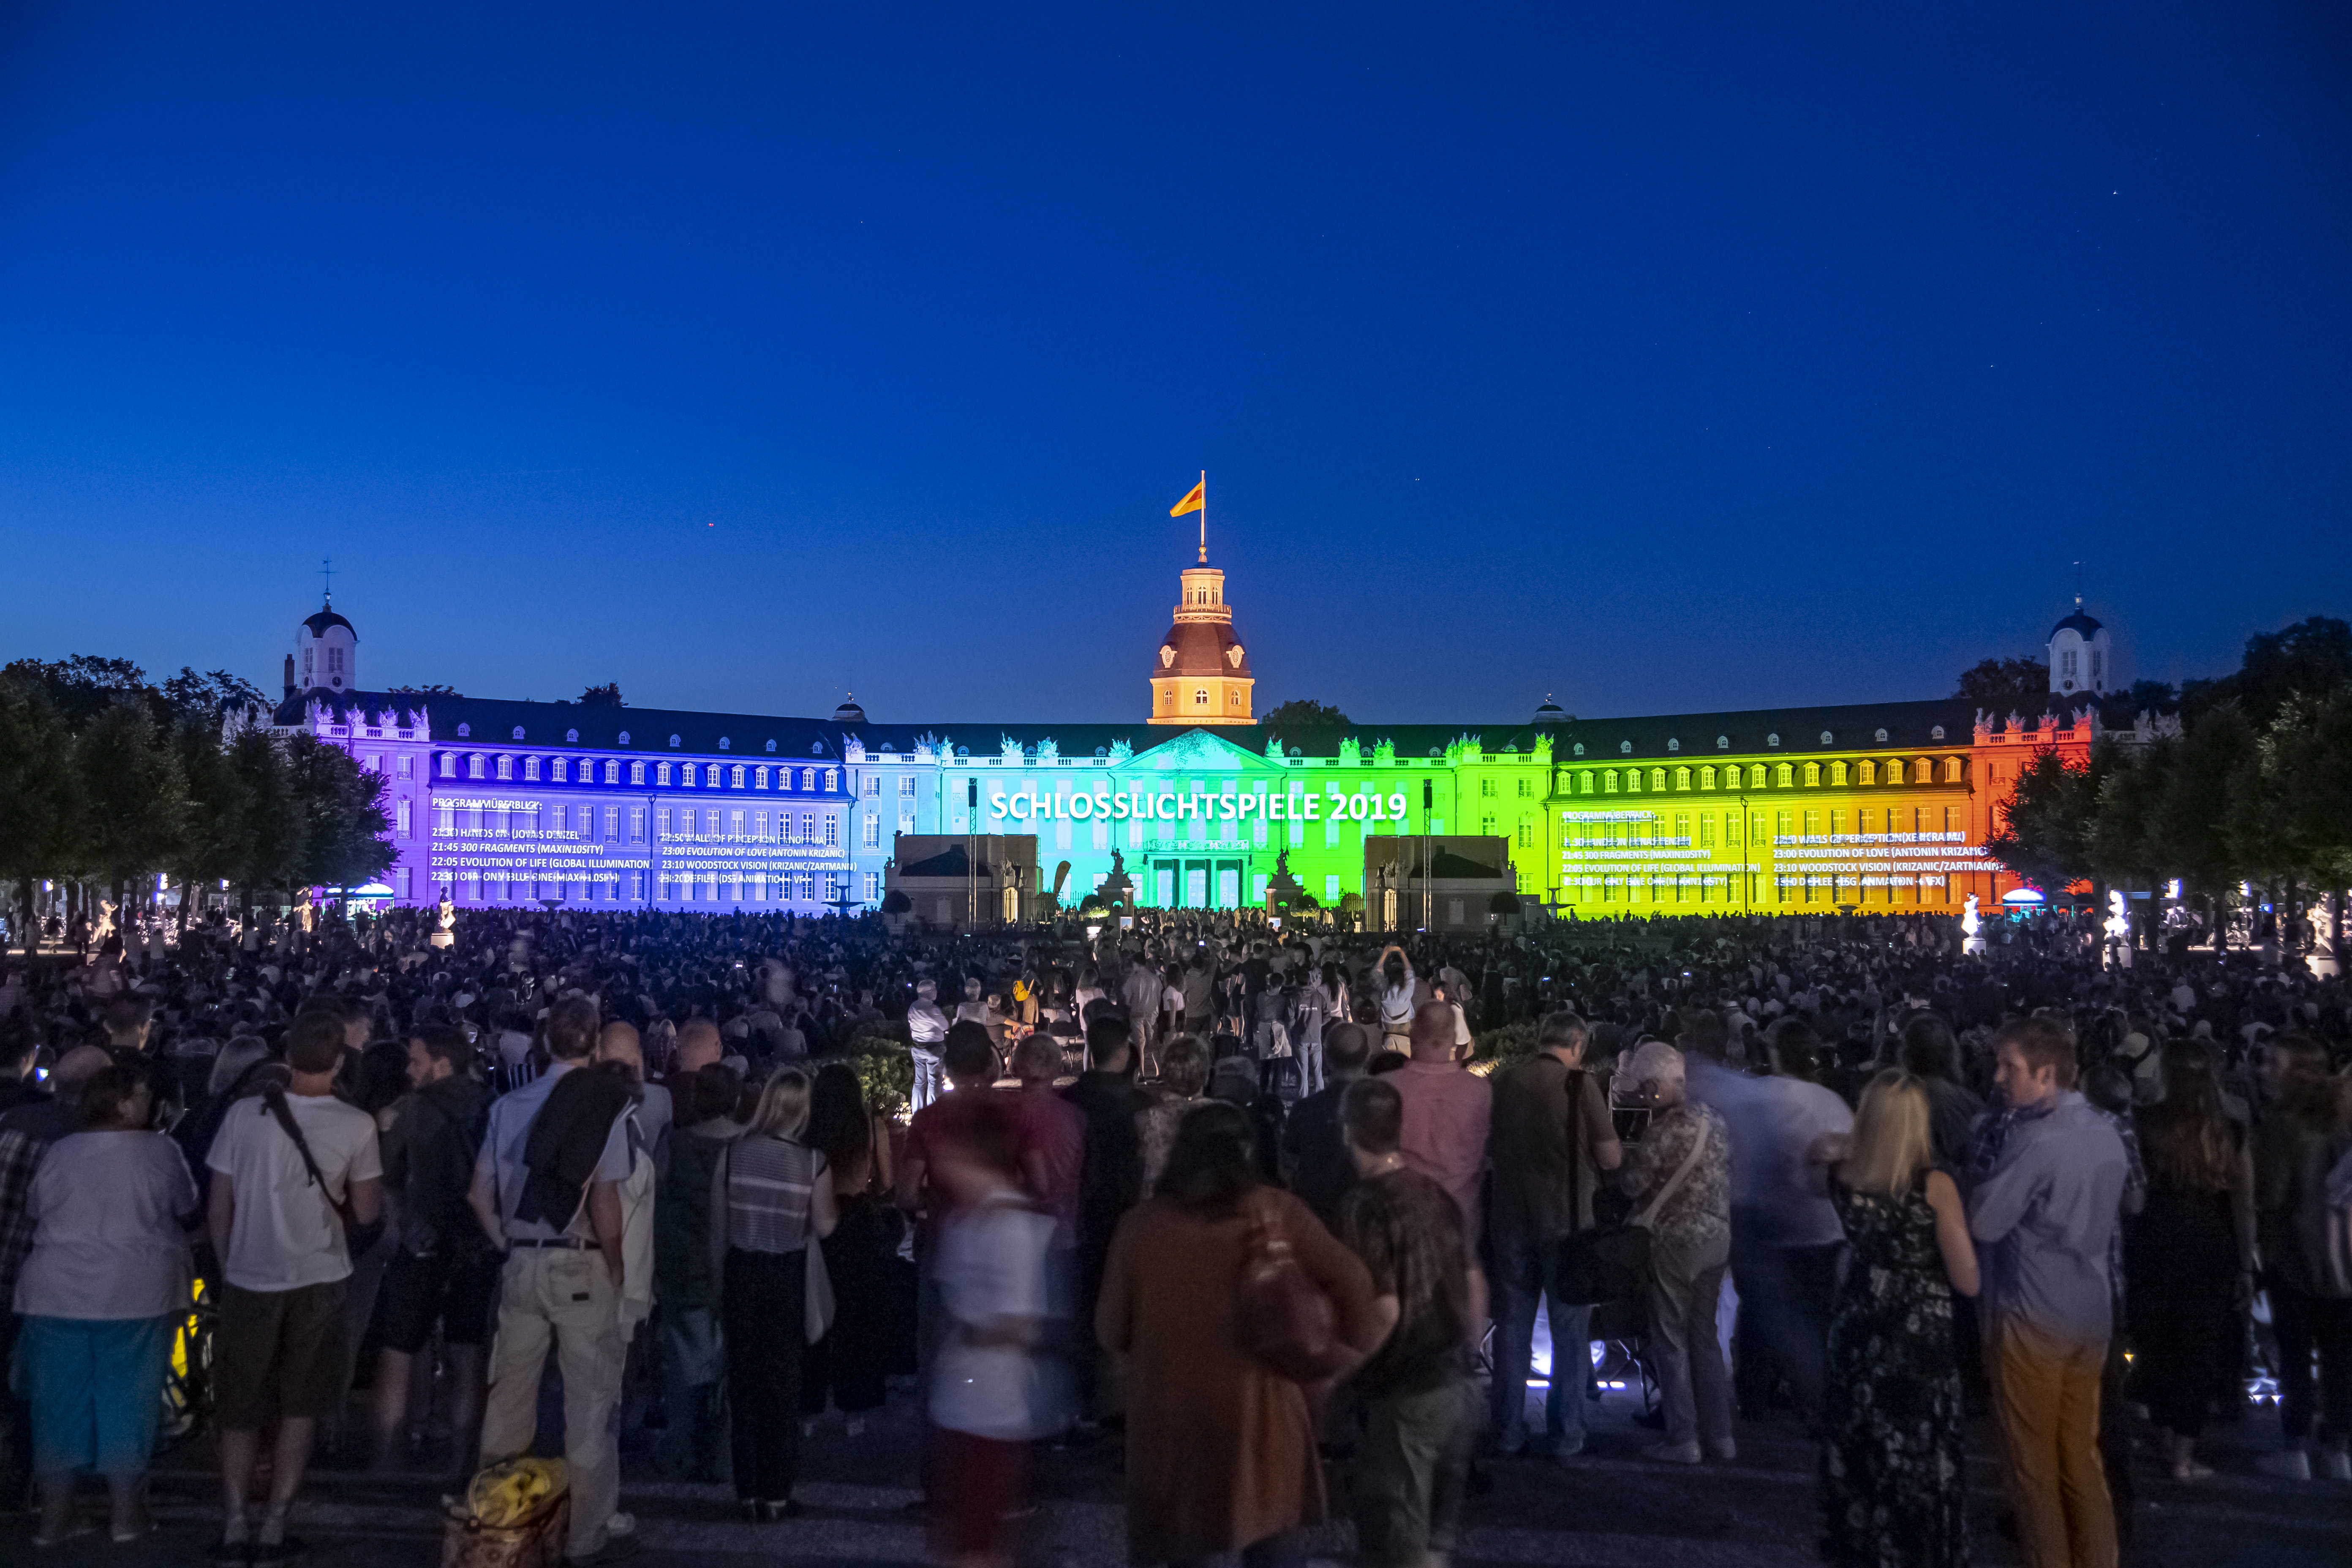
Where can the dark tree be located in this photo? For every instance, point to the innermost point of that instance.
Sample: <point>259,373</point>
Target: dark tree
<point>605,696</point>
<point>2004,686</point>
<point>1304,721</point>
<point>2310,658</point>
<point>216,694</point>
<point>80,688</point>
<point>2045,824</point>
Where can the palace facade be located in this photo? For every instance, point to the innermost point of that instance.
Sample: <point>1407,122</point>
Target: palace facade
<point>1882,805</point>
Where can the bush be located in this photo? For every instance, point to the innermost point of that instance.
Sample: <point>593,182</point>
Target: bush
<point>1508,1046</point>
<point>886,1072</point>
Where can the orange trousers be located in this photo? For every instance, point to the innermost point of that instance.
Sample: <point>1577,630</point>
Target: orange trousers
<point>2046,1403</point>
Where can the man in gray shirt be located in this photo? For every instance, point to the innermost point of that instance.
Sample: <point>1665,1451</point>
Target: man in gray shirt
<point>2044,1217</point>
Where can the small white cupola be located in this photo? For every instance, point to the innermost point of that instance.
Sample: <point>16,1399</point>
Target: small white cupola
<point>2082,656</point>
<point>326,653</point>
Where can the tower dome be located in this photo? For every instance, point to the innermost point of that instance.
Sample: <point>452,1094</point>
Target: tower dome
<point>326,654</point>
<point>1200,673</point>
<point>2082,656</point>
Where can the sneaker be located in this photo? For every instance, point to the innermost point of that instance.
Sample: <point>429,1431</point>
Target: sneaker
<point>1673,1453</point>
<point>1723,1448</point>
<point>2287,1465</point>
<point>2336,1464</point>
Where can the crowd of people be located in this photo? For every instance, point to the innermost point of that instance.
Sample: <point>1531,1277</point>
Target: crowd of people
<point>1250,1198</point>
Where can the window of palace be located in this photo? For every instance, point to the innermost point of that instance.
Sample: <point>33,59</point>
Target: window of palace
<point>1812,773</point>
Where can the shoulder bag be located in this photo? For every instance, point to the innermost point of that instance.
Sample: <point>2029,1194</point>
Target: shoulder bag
<point>1282,1318</point>
<point>1610,1262</point>
<point>357,1237</point>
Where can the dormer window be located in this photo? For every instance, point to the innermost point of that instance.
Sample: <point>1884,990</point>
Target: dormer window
<point>1882,737</point>
<point>1723,743</point>
<point>673,739</point>
<point>625,737</point>
<point>723,744</point>
<point>571,737</point>
<point>517,731</point>
<point>1624,748</point>
<point>1672,744</point>
<point>1773,739</point>
<point>464,731</point>
<point>506,766</point>
<point>772,748</point>
<point>1936,734</point>
<point>530,770</point>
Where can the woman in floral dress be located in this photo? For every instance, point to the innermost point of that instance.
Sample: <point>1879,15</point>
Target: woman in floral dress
<point>1892,1463</point>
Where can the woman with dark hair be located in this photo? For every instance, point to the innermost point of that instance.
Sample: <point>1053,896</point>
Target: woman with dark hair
<point>107,1276</point>
<point>1928,1051</point>
<point>2187,1254</point>
<point>853,1358</point>
<point>2300,1133</point>
<point>1221,1452</point>
<point>1185,1069</point>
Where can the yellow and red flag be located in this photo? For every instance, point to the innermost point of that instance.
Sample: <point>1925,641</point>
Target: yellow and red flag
<point>1195,500</point>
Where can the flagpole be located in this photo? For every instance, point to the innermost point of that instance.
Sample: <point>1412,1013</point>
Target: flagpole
<point>1204,516</point>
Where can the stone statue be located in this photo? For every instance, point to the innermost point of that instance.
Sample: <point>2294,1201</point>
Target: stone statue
<point>1972,928</point>
<point>445,921</point>
<point>2118,930</point>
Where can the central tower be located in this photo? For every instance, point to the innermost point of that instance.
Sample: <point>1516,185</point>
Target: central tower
<point>1201,675</point>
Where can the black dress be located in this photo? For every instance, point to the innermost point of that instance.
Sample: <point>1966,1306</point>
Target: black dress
<point>1893,1478</point>
<point>2181,1279</point>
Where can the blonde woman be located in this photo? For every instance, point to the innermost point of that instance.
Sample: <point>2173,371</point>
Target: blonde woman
<point>771,1197</point>
<point>1892,1454</point>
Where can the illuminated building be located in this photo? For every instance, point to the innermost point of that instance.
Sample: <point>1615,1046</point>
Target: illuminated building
<point>1882,807</point>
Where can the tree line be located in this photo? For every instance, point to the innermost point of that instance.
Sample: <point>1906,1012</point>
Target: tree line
<point>109,779</point>
<point>2255,787</point>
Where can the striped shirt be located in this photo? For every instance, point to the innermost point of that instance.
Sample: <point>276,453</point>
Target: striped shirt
<point>768,1186</point>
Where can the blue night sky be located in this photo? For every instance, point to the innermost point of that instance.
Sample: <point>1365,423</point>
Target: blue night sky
<point>1665,358</point>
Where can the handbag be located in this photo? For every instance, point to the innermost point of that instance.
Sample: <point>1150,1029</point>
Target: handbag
<point>1610,1262</point>
<point>1282,1318</point>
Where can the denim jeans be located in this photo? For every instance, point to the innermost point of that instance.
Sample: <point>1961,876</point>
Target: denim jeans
<point>929,1076</point>
<point>1522,1280</point>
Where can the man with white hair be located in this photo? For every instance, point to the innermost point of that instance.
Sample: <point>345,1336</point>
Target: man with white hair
<point>926,1027</point>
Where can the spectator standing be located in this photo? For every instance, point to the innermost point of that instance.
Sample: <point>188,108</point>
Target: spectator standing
<point>1787,1131</point>
<point>1111,1182</point>
<point>2188,1254</point>
<point>771,1201</point>
<point>970,1061</point>
<point>1549,1141</point>
<point>927,1028</point>
<point>105,1284</point>
<point>852,1358</point>
<point>1052,1135</point>
<point>292,1173</point>
<point>1417,1405</point>
<point>1894,1477</point>
<point>443,1271</point>
<point>1680,1172</point>
<point>988,1399</point>
<point>559,1287</point>
<point>1221,1453</point>
<point>2044,1217</point>
<point>2303,1132</point>
<point>1447,1112</point>
<point>686,1279</point>
<point>26,1132</point>
<point>1183,1076</point>
<point>1315,1159</point>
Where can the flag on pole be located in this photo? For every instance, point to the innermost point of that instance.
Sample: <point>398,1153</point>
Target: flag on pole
<point>1195,500</point>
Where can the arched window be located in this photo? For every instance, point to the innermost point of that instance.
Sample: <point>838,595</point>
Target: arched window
<point>1200,697</point>
<point>474,765</point>
<point>832,780</point>
<point>1785,776</point>
<point>1812,774</point>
